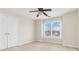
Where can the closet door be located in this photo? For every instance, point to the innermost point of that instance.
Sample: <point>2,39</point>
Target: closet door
<point>3,30</point>
<point>8,32</point>
<point>12,32</point>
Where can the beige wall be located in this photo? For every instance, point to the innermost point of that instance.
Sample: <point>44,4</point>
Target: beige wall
<point>26,30</point>
<point>37,32</point>
<point>70,29</point>
<point>78,29</point>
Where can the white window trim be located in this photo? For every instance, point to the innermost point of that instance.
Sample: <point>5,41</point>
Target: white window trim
<point>51,36</point>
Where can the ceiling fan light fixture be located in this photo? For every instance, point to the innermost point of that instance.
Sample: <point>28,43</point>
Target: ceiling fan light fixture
<point>42,11</point>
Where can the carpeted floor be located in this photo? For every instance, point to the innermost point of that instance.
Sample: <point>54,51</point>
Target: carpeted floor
<point>40,46</point>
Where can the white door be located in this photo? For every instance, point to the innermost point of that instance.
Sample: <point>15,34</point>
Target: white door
<point>12,32</point>
<point>8,32</point>
<point>3,30</point>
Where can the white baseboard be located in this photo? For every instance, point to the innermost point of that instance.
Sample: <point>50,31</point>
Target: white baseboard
<point>58,42</point>
<point>69,45</point>
<point>25,42</point>
<point>19,44</point>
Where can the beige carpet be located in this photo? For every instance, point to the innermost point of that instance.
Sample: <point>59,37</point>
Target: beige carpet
<point>40,46</point>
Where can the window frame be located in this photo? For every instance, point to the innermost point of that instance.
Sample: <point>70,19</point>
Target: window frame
<point>51,36</point>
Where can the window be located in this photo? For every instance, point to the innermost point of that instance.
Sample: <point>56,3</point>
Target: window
<point>52,29</point>
<point>56,29</point>
<point>47,29</point>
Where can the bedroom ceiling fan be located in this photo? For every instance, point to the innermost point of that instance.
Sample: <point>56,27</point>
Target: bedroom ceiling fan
<point>41,11</point>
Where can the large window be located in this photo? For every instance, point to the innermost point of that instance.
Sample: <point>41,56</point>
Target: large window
<point>47,29</point>
<point>53,29</point>
<point>56,29</point>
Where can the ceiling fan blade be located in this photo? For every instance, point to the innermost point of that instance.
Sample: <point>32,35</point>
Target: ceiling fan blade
<point>34,11</point>
<point>47,9</point>
<point>45,14</point>
<point>40,9</point>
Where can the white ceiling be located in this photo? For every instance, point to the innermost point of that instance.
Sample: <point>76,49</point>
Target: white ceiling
<point>25,12</point>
